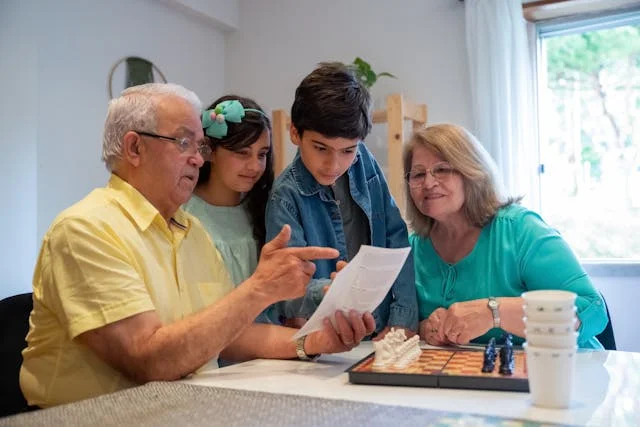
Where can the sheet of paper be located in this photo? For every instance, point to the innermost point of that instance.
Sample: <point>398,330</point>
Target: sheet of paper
<point>360,286</point>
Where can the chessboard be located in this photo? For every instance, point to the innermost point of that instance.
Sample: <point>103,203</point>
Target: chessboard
<point>447,368</point>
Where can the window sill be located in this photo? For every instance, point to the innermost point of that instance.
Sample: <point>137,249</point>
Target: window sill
<point>611,268</point>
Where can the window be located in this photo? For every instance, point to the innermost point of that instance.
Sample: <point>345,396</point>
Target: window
<point>589,133</point>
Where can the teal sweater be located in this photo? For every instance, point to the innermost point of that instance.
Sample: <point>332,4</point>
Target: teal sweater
<point>516,252</point>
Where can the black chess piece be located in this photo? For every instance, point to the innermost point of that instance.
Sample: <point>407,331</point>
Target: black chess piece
<point>506,357</point>
<point>490,354</point>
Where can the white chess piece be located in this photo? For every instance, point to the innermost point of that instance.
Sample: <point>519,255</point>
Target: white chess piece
<point>385,354</point>
<point>408,352</point>
<point>395,349</point>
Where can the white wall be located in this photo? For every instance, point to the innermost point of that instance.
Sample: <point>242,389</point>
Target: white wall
<point>83,40</point>
<point>221,13</point>
<point>18,186</point>
<point>421,42</point>
<point>57,56</point>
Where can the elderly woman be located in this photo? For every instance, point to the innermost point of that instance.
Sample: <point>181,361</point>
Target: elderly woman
<point>476,252</point>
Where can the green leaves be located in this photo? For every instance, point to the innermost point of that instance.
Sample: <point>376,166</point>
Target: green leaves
<point>583,56</point>
<point>367,76</point>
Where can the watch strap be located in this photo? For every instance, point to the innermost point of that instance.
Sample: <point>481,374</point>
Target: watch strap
<point>493,305</point>
<point>302,355</point>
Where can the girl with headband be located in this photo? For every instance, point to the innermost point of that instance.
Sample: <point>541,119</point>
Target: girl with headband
<point>233,187</point>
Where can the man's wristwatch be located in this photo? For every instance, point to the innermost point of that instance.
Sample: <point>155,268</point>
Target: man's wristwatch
<point>302,355</point>
<point>493,305</point>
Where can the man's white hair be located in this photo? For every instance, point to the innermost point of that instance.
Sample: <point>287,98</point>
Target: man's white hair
<point>136,109</point>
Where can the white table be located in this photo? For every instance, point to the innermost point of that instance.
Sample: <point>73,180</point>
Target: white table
<point>606,388</point>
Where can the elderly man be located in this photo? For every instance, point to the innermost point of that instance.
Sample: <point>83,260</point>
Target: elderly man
<point>128,288</point>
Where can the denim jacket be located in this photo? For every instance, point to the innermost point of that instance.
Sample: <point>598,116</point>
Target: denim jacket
<point>311,210</point>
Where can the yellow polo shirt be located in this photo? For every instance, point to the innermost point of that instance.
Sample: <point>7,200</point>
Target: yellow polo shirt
<point>108,257</point>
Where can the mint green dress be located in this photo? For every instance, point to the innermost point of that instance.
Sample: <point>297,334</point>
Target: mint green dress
<point>230,229</point>
<point>516,252</point>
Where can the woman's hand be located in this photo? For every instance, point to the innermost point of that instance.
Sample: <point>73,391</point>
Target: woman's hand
<point>430,327</point>
<point>465,321</point>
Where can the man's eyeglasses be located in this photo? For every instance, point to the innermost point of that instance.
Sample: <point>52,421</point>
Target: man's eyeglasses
<point>184,144</point>
<point>440,172</point>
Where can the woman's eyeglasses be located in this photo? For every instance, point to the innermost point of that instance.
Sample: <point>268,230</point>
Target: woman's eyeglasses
<point>440,172</point>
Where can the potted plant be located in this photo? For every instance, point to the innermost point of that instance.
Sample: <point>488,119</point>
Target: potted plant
<point>367,76</point>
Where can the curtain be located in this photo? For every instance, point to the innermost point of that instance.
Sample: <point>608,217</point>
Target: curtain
<point>502,92</point>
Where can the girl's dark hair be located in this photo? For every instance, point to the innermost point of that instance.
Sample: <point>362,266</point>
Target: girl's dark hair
<point>239,136</point>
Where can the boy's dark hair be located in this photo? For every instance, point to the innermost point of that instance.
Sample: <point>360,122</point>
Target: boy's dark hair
<point>333,102</point>
<point>239,136</point>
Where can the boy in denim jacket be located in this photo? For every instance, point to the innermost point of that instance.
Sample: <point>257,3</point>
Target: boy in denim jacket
<point>334,193</point>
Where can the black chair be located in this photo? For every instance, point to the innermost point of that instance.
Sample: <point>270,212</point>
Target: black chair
<point>606,337</point>
<point>14,325</point>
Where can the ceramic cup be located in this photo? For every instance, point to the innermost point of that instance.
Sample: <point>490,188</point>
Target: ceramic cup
<point>536,315</point>
<point>547,328</point>
<point>550,300</point>
<point>552,341</point>
<point>551,373</point>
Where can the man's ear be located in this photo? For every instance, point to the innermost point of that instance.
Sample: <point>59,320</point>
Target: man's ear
<point>294,135</point>
<point>131,147</point>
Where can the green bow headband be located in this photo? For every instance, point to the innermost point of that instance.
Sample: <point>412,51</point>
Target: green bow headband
<point>214,122</point>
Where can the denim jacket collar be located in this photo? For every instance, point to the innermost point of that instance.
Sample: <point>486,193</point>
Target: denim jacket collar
<point>307,184</point>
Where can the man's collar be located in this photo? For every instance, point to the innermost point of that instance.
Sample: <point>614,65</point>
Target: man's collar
<point>180,220</point>
<point>139,208</point>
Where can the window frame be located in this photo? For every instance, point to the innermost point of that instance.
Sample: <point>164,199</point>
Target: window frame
<point>566,25</point>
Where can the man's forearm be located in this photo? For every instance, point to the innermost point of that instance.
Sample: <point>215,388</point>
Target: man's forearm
<point>173,351</point>
<point>145,349</point>
<point>275,343</point>
<point>186,345</point>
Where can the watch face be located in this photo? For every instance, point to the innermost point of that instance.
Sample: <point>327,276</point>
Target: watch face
<point>493,303</point>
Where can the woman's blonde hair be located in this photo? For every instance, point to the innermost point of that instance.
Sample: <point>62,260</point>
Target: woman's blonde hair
<point>482,188</point>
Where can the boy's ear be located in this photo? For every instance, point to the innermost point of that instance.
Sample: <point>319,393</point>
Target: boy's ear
<point>295,136</point>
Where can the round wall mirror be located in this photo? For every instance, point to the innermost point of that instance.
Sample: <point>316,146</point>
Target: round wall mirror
<point>132,71</point>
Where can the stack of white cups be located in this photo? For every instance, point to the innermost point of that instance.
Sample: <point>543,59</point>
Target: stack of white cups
<point>550,330</point>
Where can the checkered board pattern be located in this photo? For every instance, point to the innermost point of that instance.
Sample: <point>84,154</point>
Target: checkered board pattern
<point>444,368</point>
